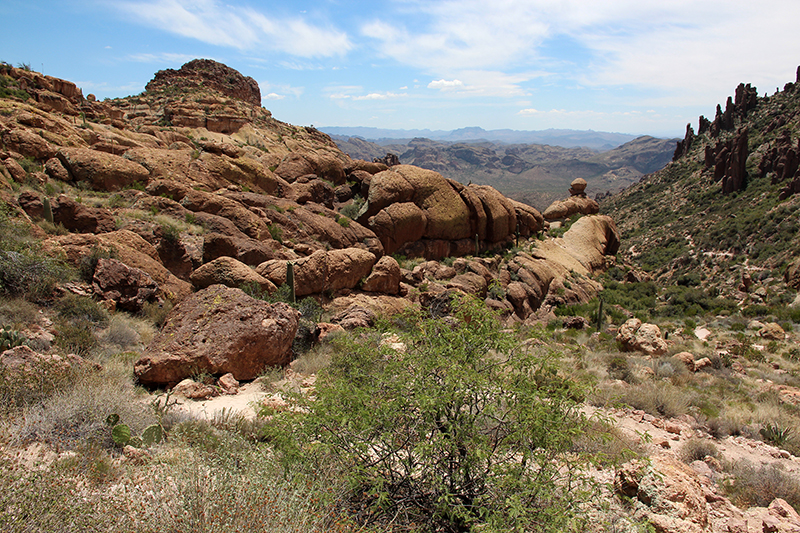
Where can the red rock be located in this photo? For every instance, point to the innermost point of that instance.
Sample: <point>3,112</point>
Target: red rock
<point>219,330</point>
<point>130,288</point>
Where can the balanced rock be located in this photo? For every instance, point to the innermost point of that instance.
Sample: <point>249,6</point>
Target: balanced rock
<point>578,187</point>
<point>219,330</point>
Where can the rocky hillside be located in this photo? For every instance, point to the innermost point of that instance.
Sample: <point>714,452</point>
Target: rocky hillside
<point>192,184</point>
<point>724,213</point>
<point>536,174</point>
<point>211,320</point>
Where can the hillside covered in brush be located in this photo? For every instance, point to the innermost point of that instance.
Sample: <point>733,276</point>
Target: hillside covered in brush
<point>724,212</point>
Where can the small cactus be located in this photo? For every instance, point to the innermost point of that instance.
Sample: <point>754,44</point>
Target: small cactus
<point>290,280</point>
<point>47,210</point>
<point>477,245</point>
<point>152,435</point>
<point>600,316</point>
<point>121,434</point>
<point>10,339</point>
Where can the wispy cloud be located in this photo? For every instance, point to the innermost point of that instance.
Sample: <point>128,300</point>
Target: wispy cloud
<point>697,48</point>
<point>445,84</point>
<point>164,57</point>
<point>239,27</point>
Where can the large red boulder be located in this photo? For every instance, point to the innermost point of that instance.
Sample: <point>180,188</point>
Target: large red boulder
<point>219,330</point>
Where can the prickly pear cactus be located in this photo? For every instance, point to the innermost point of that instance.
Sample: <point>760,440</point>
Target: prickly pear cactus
<point>121,434</point>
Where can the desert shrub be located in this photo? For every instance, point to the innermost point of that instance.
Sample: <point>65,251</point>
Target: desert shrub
<point>618,367</point>
<point>658,399</point>
<point>751,485</point>
<point>75,415</point>
<point>462,429</point>
<point>156,312</point>
<point>24,269</point>
<point>697,450</point>
<point>74,307</point>
<point>88,262</point>
<point>122,332</point>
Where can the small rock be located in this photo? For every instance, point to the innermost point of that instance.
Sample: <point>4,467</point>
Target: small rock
<point>228,384</point>
<point>193,390</point>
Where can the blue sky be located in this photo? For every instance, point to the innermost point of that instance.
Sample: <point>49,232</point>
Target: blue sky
<point>630,66</point>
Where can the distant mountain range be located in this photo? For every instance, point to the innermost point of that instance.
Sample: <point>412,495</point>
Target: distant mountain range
<point>596,140</point>
<point>534,173</point>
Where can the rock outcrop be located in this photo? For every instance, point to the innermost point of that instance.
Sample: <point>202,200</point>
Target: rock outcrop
<point>207,74</point>
<point>219,330</point>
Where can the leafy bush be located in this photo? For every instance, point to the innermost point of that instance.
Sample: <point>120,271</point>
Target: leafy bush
<point>462,429</point>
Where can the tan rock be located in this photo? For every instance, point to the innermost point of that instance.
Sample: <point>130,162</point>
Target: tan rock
<point>646,338</point>
<point>28,144</point>
<point>229,272</point>
<point>194,390</point>
<point>228,384</point>
<point>772,331</point>
<point>687,359</point>
<point>105,172</point>
<point>384,278</point>
<point>561,209</point>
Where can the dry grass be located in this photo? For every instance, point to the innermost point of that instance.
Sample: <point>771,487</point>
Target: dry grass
<point>751,485</point>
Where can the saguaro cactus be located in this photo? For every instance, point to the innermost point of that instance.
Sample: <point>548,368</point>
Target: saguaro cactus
<point>290,280</point>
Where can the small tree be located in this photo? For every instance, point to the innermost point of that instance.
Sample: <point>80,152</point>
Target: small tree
<point>461,429</point>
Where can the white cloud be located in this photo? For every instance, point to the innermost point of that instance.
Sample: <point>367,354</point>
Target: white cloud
<point>239,27</point>
<point>698,51</point>
<point>379,96</point>
<point>445,84</point>
<point>273,96</point>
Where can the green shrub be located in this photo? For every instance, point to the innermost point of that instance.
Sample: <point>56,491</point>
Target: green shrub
<point>81,308</point>
<point>461,430</point>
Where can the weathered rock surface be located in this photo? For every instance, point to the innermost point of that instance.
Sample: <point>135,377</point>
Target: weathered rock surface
<point>219,330</point>
<point>229,272</point>
<point>127,247</point>
<point>322,271</point>
<point>571,206</point>
<point>130,288</point>
<point>207,74</point>
<point>106,172</point>
<point>637,336</point>
<point>384,278</point>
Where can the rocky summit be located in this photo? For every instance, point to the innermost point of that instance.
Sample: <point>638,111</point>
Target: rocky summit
<point>332,344</point>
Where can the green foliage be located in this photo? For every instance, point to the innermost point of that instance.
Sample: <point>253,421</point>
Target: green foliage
<point>276,232</point>
<point>351,210</point>
<point>751,485</point>
<point>89,262</point>
<point>462,430</point>
<point>24,269</point>
<point>170,233</point>
<point>775,434</point>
